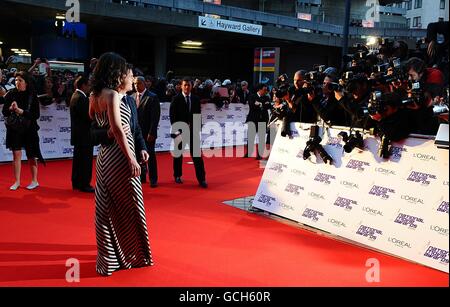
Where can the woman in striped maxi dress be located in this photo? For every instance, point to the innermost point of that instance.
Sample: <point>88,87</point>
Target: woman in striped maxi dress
<point>121,229</point>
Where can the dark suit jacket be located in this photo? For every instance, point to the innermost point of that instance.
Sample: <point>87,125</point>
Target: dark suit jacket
<point>79,120</point>
<point>100,135</point>
<point>179,111</point>
<point>149,112</point>
<point>258,113</point>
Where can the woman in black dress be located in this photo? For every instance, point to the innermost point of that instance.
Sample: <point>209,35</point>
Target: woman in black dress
<point>23,102</point>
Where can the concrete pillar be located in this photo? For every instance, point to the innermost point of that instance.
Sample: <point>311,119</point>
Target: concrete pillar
<point>160,56</point>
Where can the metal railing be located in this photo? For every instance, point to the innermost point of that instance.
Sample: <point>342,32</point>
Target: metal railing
<point>235,13</point>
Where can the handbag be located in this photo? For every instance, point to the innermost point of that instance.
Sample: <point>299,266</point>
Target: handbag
<point>17,122</point>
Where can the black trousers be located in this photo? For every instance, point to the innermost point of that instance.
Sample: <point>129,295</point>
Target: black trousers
<point>198,163</point>
<point>82,166</point>
<point>251,140</point>
<point>152,166</point>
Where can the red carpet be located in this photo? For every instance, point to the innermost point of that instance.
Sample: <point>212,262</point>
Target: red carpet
<point>195,239</point>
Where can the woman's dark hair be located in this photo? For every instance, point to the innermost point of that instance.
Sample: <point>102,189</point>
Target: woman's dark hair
<point>109,72</point>
<point>28,80</point>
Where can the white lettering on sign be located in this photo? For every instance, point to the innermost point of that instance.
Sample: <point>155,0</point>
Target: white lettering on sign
<point>229,26</point>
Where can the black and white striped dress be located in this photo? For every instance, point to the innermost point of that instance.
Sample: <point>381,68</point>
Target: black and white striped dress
<point>121,229</point>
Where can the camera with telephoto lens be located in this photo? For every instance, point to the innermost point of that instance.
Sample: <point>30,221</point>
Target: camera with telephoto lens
<point>355,140</point>
<point>313,145</point>
<point>417,95</point>
<point>283,87</point>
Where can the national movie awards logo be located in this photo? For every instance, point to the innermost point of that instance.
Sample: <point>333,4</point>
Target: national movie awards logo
<point>357,165</point>
<point>324,178</point>
<point>345,203</point>
<point>396,152</point>
<point>422,178</point>
<point>294,189</point>
<point>380,191</point>
<point>369,232</point>
<point>311,214</point>
<point>443,207</point>
<point>277,167</point>
<point>266,199</point>
<point>408,220</point>
<point>436,253</point>
<point>334,142</point>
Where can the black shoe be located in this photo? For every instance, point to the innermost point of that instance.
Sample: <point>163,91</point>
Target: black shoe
<point>178,180</point>
<point>258,158</point>
<point>87,189</point>
<point>246,155</point>
<point>154,184</point>
<point>203,184</point>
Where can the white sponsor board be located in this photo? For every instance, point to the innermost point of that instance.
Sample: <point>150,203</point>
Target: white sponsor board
<point>399,206</point>
<point>229,26</point>
<point>55,130</point>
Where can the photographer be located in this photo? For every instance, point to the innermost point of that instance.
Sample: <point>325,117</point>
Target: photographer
<point>280,108</point>
<point>429,83</point>
<point>392,120</point>
<point>354,100</point>
<point>328,108</point>
<point>299,103</point>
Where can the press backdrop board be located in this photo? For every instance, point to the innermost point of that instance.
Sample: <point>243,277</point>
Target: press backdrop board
<point>399,206</point>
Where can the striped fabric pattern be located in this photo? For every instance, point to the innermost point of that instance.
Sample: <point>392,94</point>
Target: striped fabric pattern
<point>121,228</point>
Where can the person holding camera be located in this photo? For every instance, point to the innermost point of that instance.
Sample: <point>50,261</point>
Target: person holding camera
<point>21,112</point>
<point>354,99</point>
<point>328,108</point>
<point>259,104</point>
<point>301,101</point>
<point>426,90</point>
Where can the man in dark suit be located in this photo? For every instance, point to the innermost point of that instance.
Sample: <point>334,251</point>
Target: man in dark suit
<point>149,112</point>
<point>182,110</point>
<point>80,139</point>
<point>243,93</point>
<point>259,104</point>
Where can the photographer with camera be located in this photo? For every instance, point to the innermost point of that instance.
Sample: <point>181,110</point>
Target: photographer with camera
<point>328,108</point>
<point>426,90</point>
<point>299,102</point>
<point>393,121</point>
<point>281,107</point>
<point>354,99</point>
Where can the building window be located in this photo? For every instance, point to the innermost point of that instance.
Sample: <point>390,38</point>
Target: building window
<point>441,19</point>
<point>417,4</point>
<point>408,22</point>
<point>442,5</point>
<point>408,4</point>
<point>417,22</point>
